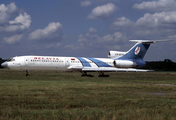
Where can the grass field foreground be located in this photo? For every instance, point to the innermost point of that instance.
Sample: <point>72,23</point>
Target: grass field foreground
<point>62,95</point>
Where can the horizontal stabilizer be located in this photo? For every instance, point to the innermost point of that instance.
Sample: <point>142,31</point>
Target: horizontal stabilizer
<point>148,41</point>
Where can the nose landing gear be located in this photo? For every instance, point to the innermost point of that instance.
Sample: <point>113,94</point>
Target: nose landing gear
<point>27,73</point>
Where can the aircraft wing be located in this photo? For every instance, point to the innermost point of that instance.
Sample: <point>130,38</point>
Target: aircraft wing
<point>105,69</point>
<point>75,68</point>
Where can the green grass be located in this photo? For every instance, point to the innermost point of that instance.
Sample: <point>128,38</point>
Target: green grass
<point>62,95</point>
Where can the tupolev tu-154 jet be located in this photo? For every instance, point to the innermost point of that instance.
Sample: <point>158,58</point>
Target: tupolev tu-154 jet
<point>117,61</point>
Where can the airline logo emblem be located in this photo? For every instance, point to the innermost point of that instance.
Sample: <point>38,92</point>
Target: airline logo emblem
<point>137,50</point>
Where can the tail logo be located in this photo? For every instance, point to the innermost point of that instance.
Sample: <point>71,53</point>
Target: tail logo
<point>137,50</point>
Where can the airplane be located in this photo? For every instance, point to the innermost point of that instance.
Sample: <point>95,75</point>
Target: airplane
<point>117,61</point>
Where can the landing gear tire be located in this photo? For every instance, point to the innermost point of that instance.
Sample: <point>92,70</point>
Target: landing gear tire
<point>27,74</point>
<point>84,74</point>
<point>102,75</point>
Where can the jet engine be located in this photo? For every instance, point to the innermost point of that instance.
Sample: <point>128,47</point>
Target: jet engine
<point>115,54</point>
<point>124,64</point>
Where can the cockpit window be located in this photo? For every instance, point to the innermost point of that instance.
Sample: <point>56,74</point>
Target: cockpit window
<point>11,59</point>
<point>109,54</point>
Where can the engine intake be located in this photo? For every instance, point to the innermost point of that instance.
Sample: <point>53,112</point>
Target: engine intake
<point>115,54</point>
<point>124,64</point>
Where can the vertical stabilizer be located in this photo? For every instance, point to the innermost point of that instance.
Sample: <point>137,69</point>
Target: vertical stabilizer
<point>139,50</point>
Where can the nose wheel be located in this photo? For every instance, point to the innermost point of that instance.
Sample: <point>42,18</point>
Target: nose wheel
<point>27,73</point>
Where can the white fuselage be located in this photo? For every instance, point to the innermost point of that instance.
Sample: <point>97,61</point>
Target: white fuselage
<point>56,63</point>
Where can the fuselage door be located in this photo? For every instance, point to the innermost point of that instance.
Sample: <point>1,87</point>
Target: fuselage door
<point>66,62</point>
<point>26,61</point>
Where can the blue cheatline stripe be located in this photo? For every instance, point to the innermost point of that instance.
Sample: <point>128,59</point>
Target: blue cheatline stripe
<point>99,63</point>
<point>84,62</point>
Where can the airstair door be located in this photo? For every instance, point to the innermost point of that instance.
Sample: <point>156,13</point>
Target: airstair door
<point>66,62</point>
<point>26,61</point>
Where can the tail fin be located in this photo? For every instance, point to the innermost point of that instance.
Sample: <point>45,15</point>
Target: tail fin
<point>139,50</point>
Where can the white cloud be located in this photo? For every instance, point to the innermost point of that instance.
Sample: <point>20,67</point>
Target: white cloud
<point>5,11</point>
<point>160,24</point>
<point>102,12</point>
<point>13,39</point>
<point>117,36</point>
<point>47,32</point>
<point>155,25</point>
<point>58,44</point>
<point>92,37</point>
<point>157,19</point>
<point>106,38</point>
<point>96,42</point>
<point>87,37</point>
<point>21,22</point>
<point>121,22</point>
<point>92,30</point>
<point>85,3</point>
<point>157,5</point>
<point>49,46</point>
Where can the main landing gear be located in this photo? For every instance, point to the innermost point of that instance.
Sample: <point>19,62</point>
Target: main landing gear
<point>102,74</point>
<point>84,74</point>
<point>27,73</point>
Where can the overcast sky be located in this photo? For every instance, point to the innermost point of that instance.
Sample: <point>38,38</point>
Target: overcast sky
<point>86,28</point>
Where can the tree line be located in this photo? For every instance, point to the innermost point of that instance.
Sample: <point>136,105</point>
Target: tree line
<point>166,65</point>
<point>1,61</point>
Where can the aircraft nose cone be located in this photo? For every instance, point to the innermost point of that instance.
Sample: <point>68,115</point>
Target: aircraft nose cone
<point>4,64</point>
